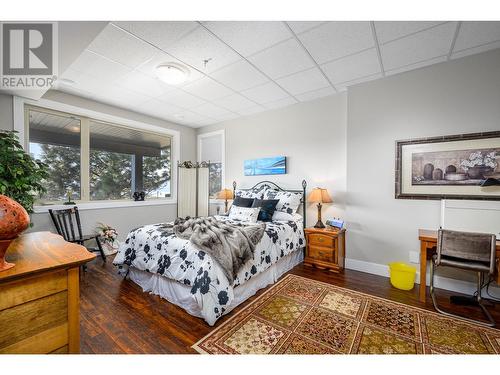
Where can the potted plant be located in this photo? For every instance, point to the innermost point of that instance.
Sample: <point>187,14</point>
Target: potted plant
<point>21,176</point>
<point>109,238</point>
<point>478,164</point>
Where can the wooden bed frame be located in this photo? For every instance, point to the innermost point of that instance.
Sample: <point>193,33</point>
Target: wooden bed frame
<point>276,187</point>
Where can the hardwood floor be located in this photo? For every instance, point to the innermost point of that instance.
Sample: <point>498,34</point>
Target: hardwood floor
<point>117,317</point>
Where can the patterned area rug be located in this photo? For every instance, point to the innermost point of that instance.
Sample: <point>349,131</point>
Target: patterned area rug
<point>303,316</point>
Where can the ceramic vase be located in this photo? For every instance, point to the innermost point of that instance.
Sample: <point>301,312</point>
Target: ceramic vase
<point>13,221</point>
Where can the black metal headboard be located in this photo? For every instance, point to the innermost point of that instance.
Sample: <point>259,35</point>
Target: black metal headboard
<point>276,187</point>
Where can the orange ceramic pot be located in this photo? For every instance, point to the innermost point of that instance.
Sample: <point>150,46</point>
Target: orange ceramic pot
<point>13,221</point>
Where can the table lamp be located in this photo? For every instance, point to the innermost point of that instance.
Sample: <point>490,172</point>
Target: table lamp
<point>225,194</point>
<point>319,195</point>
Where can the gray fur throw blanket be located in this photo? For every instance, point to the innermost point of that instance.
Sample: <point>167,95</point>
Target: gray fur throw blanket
<point>229,244</point>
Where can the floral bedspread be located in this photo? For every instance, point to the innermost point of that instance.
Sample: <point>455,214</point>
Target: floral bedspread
<point>153,248</point>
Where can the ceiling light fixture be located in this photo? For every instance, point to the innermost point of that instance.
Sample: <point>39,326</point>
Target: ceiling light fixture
<point>172,73</point>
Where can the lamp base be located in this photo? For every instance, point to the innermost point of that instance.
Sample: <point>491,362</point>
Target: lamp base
<point>319,225</point>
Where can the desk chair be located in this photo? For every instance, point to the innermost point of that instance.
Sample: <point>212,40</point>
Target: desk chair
<point>65,221</point>
<point>467,251</point>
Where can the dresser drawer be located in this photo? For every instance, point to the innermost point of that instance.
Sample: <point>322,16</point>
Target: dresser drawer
<point>321,240</point>
<point>321,253</point>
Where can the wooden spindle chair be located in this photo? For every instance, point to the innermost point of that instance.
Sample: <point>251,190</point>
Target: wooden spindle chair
<point>65,222</point>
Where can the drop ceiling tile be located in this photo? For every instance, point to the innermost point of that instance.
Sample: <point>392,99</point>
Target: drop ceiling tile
<point>333,40</point>
<point>307,80</point>
<point>226,117</point>
<point>281,103</point>
<point>120,96</point>
<point>191,119</point>
<point>207,88</point>
<point>265,93</point>
<point>390,30</point>
<point>316,94</point>
<point>282,59</point>
<point>119,46</point>
<point>239,76</point>
<point>149,67</point>
<point>474,50</point>
<point>99,67</point>
<point>251,110</point>
<point>82,81</point>
<point>418,65</point>
<point>421,46</point>
<point>200,45</point>
<point>181,99</point>
<point>301,26</point>
<point>155,107</point>
<point>210,110</point>
<point>344,85</point>
<point>144,84</point>
<point>473,34</point>
<point>234,102</point>
<point>160,33</point>
<point>249,37</point>
<point>352,67</point>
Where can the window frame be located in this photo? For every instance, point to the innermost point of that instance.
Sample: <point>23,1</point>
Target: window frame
<point>200,137</point>
<point>22,107</point>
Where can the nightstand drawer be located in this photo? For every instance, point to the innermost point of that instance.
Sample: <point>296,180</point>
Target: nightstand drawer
<point>321,253</point>
<point>320,240</point>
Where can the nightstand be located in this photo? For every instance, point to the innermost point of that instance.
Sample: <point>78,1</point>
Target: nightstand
<point>325,248</point>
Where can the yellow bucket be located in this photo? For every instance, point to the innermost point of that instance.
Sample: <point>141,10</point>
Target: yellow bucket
<point>402,275</point>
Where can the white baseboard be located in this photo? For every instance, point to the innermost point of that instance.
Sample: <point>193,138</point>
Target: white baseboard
<point>459,286</point>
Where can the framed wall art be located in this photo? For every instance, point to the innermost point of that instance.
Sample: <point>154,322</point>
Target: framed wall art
<point>464,166</point>
<point>265,166</point>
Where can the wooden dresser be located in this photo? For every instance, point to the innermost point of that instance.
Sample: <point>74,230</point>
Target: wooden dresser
<point>40,296</point>
<point>325,248</point>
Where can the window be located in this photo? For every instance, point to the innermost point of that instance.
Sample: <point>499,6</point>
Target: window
<point>98,161</point>
<point>55,140</point>
<point>211,148</point>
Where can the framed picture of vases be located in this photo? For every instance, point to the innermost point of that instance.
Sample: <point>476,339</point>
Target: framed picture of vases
<point>462,166</point>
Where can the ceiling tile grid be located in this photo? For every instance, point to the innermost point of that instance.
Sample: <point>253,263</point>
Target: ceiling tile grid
<point>242,68</point>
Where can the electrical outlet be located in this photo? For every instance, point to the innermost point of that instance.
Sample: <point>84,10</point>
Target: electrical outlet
<point>414,257</point>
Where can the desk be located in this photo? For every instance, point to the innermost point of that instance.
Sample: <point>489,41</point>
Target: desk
<point>39,296</point>
<point>428,242</point>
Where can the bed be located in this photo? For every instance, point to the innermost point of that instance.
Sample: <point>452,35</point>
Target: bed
<point>178,271</point>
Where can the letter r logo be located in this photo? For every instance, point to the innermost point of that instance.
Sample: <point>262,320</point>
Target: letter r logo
<point>27,49</point>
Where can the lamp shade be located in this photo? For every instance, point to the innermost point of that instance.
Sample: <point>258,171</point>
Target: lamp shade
<point>225,194</point>
<point>319,195</point>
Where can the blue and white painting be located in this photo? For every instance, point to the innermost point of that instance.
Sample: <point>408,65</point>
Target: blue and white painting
<point>263,166</point>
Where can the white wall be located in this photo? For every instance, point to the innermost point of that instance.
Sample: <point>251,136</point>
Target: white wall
<point>125,218</point>
<point>461,96</point>
<point>312,137</point>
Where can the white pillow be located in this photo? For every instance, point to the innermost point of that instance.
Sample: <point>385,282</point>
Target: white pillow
<point>247,214</point>
<point>289,202</point>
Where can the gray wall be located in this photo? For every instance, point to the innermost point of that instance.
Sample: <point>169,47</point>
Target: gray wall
<point>6,118</point>
<point>125,218</point>
<point>461,96</point>
<point>312,137</point>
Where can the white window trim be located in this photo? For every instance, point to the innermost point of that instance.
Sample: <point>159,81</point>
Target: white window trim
<point>19,126</point>
<point>221,132</point>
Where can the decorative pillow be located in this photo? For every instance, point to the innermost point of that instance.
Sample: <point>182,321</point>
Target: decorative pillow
<point>283,216</point>
<point>267,208</point>
<point>288,202</point>
<point>243,202</point>
<point>257,192</point>
<point>246,214</point>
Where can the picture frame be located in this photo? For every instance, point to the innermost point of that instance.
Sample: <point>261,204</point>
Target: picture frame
<point>265,166</point>
<point>449,167</point>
